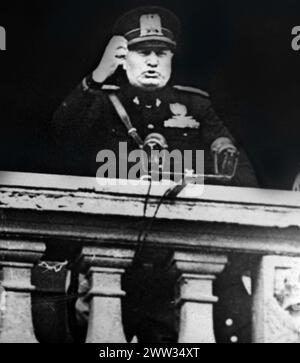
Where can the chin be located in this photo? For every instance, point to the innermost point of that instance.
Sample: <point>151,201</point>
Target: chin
<point>151,86</point>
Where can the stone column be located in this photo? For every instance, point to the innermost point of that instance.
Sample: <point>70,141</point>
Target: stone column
<point>17,259</point>
<point>106,267</point>
<point>194,294</point>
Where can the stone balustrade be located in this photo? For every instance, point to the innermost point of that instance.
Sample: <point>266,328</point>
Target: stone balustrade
<point>50,218</point>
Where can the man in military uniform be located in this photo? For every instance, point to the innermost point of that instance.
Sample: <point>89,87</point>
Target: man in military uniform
<point>134,81</point>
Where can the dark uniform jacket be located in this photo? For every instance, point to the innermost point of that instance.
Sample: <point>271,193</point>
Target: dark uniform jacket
<point>87,123</point>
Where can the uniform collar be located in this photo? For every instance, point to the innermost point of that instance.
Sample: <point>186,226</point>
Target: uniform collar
<point>147,99</point>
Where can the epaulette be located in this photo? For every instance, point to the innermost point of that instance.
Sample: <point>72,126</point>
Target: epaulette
<point>192,90</point>
<point>110,87</point>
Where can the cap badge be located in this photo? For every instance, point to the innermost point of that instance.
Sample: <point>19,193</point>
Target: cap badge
<point>180,119</point>
<point>150,24</point>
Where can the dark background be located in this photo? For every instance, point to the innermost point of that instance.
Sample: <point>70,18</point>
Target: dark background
<point>239,51</point>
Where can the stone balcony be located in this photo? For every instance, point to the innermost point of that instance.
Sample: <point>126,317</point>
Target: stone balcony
<point>46,219</point>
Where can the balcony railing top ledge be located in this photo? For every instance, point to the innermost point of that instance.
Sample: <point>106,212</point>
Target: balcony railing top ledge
<point>243,206</point>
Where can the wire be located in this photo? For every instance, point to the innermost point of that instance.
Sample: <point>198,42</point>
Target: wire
<point>139,239</point>
<point>147,197</point>
<point>143,285</point>
<point>145,231</point>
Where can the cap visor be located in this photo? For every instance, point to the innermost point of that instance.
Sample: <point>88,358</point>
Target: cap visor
<point>152,42</point>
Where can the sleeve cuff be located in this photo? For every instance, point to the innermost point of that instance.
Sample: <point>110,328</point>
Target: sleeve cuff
<point>89,84</point>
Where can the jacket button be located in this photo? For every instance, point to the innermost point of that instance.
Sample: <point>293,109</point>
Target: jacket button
<point>229,322</point>
<point>234,339</point>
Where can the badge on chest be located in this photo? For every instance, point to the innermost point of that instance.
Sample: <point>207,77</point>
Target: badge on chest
<point>180,119</point>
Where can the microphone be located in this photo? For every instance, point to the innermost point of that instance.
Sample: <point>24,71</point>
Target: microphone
<point>154,145</point>
<point>155,141</point>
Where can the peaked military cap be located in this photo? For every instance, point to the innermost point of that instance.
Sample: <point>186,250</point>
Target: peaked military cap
<point>147,26</point>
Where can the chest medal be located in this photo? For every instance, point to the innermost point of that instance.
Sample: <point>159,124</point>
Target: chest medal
<point>180,120</point>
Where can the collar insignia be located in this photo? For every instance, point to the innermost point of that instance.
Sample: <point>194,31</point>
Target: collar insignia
<point>136,101</point>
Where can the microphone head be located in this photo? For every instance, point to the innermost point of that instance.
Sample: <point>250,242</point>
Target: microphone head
<point>155,140</point>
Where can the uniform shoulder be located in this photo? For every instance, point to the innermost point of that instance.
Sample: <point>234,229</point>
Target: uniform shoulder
<point>193,90</point>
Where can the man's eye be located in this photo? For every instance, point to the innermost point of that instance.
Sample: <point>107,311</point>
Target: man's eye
<point>144,53</point>
<point>161,54</point>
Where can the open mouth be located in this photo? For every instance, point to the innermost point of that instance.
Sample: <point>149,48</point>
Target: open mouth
<point>151,74</point>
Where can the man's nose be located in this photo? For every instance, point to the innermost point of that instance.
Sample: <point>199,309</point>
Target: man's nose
<point>152,59</point>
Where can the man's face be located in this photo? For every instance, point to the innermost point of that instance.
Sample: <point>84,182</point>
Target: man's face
<point>149,68</point>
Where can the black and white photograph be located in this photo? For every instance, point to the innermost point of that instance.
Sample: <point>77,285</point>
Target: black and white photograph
<point>150,174</point>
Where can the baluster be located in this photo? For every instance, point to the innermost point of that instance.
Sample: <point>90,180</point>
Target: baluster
<point>17,261</point>
<point>194,295</point>
<point>106,269</point>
